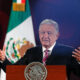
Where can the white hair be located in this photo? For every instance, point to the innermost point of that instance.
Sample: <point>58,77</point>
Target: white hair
<point>50,22</point>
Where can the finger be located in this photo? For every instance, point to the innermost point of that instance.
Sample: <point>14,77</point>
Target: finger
<point>75,53</point>
<point>2,57</point>
<point>0,51</point>
<point>4,48</point>
<point>78,51</point>
<point>74,56</point>
<point>77,58</point>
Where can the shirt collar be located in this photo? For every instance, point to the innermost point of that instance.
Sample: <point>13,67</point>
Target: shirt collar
<point>43,48</point>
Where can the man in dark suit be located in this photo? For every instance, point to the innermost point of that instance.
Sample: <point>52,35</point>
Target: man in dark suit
<point>51,52</point>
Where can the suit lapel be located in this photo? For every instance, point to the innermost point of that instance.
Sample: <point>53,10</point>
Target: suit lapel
<point>40,54</point>
<point>51,58</point>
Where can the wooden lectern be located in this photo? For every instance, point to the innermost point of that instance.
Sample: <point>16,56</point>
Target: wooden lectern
<point>16,72</point>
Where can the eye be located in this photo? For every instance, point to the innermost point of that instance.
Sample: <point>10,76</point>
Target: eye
<point>50,33</point>
<point>42,32</point>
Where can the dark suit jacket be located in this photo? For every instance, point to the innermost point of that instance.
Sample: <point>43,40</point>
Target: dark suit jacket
<point>61,55</point>
<point>0,65</point>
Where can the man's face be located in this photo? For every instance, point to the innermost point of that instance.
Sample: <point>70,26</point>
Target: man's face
<point>47,35</point>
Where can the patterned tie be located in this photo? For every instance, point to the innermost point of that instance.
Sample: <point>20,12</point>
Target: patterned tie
<point>45,56</point>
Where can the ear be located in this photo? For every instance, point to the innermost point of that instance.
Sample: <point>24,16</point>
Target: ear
<point>57,35</point>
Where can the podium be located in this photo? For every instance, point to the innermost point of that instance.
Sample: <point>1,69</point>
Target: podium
<point>55,72</point>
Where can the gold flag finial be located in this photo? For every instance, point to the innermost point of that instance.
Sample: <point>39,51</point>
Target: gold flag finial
<point>18,6</point>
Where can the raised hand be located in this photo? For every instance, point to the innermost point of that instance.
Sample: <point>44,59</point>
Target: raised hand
<point>2,54</point>
<point>76,54</point>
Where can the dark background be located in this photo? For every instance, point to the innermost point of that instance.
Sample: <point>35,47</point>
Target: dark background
<point>5,6</point>
<point>65,12</point>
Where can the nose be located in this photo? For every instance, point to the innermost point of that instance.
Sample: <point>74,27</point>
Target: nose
<point>45,34</point>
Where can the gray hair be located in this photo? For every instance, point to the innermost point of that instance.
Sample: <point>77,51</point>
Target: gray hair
<point>50,22</point>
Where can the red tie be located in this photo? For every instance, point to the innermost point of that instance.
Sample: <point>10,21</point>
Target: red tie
<point>45,56</point>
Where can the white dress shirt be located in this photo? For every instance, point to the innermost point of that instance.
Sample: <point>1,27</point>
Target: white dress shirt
<point>50,49</point>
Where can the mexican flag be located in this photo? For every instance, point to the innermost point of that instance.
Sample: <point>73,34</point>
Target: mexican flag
<point>20,33</point>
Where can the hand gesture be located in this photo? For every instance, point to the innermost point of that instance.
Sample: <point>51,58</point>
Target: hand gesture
<point>2,54</point>
<point>76,54</point>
